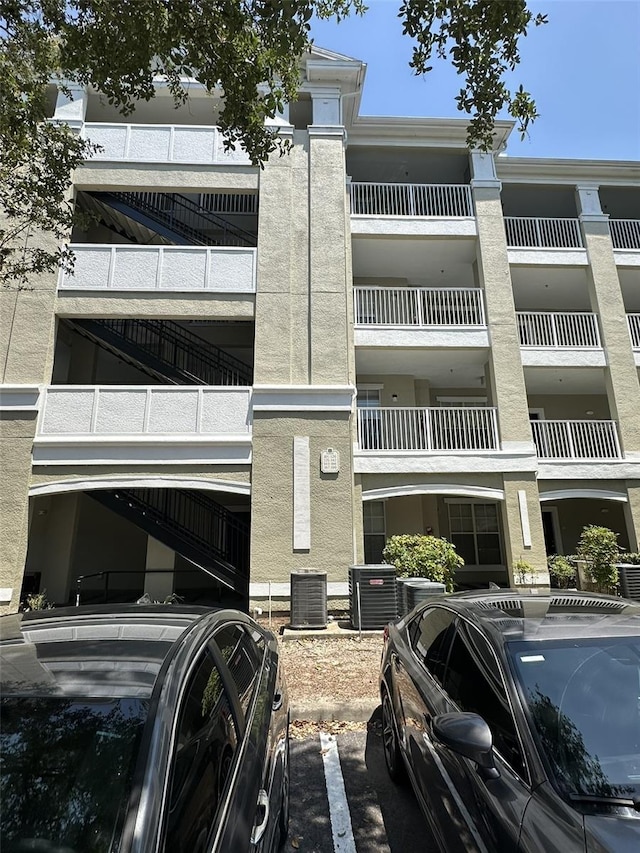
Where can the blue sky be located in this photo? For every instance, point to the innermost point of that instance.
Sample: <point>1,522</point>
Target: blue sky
<point>583,69</point>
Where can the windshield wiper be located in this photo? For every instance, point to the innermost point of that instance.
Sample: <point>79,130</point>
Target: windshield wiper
<point>603,799</point>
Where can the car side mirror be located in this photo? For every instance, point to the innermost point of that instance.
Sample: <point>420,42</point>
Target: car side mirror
<point>467,735</point>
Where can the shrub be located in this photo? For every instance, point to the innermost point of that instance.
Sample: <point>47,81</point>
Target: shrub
<point>563,573</point>
<point>38,601</point>
<point>524,572</point>
<point>598,547</point>
<point>631,558</point>
<point>423,557</point>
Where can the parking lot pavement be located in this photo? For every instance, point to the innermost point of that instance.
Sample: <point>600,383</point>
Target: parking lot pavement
<point>364,811</point>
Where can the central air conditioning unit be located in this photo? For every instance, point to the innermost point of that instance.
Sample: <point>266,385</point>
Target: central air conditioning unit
<point>308,599</point>
<point>629,581</point>
<point>372,596</point>
<point>413,591</point>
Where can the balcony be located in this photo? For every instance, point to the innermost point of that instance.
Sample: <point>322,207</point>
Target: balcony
<point>218,269</point>
<point>577,330</point>
<point>625,234</point>
<point>449,201</point>
<point>576,440</point>
<point>423,307</point>
<point>156,143</point>
<point>633,321</point>
<point>533,232</point>
<point>428,429</point>
<point>143,424</point>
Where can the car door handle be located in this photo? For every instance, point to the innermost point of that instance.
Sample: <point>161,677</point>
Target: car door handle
<point>262,816</point>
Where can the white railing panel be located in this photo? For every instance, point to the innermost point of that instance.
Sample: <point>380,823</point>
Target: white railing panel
<point>633,321</point>
<point>144,410</point>
<point>226,269</point>
<point>429,429</point>
<point>162,143</point>
<point>419,306</point>
<point>576,439</point>
<point>534,232</point>
<point>451,201</point>
<point>625,233</point>
<point>576,330</point>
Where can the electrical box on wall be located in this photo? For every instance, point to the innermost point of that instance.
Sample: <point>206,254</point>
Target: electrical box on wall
<point>329,461</point>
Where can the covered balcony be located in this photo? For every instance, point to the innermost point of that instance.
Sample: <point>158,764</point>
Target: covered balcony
<point>536,232</point>
<point>576,439</point>
<point>625,234</point>
<point>428,429</point>
<point>633,321</point>
<point>447,201</point>
<point>423,307</point>
<point>558,329</point>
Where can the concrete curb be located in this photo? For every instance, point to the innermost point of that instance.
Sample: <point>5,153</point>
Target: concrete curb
<point>328,710</point>
<point>333,631</point>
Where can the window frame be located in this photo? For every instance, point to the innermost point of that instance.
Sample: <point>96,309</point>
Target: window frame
<point>499,533</point>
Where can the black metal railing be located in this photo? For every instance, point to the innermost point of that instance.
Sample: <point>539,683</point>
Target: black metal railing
<point>172,351</point>
<point>183,216</point>
<point>192,524</point>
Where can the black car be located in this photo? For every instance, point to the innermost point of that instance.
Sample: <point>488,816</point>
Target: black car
<point>142,729</point>
<point>517,719</point>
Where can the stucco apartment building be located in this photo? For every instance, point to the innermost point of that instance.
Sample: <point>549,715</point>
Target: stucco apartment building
<point>251,372</point>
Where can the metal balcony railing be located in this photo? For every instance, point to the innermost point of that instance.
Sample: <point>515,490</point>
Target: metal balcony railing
<point>576,330</point>
<point>576,439</point>
<point>534,232</point>
<point>429,429</point>
<point>633,321</point>
<point>625,233</point>
<point>442,200</point>
<point>419,306</point>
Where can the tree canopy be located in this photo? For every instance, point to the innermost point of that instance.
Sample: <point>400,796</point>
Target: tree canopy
<point>249,49</point>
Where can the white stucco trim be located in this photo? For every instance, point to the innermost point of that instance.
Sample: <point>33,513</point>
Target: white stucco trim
<point>301,493</point>
<point>524,518</point>
<point>303,398</point>
<point>141,450</point>
<point>406,336</point>
<point>19,398</point>
<point>627,258</point>
<point>565,357</point>
<point>433,489</point>
<point>161,481</point>
<point>419,462</point>
<point>548,257</point>
<point>622,469</point>
<point>414,226</point>
<point>595,494</point>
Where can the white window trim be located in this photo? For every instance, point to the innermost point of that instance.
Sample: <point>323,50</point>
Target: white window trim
<point>538,412</point>
<point>474,532</point>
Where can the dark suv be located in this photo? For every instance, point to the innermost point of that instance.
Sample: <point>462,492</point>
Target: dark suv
<point>141,729</point>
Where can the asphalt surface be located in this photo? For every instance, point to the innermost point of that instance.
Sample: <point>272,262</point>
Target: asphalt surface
<point>384,817</point>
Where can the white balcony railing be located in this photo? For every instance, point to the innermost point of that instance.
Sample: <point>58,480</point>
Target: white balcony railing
<point>419,306</point>
<point>534,232</point>
<point>625,233</point>
<point>225,269</point>
<point>443,429</point>
<point>633,321</point>
<point>114,410</point>
<point>555,329</point>
<point>162,143</point>
<point>576,439</point>
<point>451,201</point>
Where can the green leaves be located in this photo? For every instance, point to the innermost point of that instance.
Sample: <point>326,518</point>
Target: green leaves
<point>423,556</point>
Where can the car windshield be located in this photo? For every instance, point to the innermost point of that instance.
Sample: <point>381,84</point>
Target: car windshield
<point>583,697</point>
<point>66,767</point>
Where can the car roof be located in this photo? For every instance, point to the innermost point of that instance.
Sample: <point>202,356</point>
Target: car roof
<point>93,652</point>
<point>513,615</point>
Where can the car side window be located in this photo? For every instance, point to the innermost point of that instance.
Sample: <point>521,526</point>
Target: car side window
<point>243,653</point>
<point>206,741</point>
<point>473,681</point>
<point>431,639</point>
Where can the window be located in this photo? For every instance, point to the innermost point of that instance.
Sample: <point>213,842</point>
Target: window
<point>374,531</point>
<point>474,682</point>
<point>475,531</point>
<point>206,742</point>
<point>431,639</point>
<point>243,655</point>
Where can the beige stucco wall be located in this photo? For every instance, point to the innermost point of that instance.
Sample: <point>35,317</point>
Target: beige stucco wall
<point>156,177</point>
<point>177,306</point>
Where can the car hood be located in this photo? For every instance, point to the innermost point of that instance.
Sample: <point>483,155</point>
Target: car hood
<point>612,833</point>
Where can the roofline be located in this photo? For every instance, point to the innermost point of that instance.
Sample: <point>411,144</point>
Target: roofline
<point>560,170</point>
<point>421,131</point>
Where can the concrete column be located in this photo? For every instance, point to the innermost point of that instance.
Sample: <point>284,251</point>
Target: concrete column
<point>62,525</point>
<point>623,388</point>
<point>508,391</point>
<point>71,106</point>
<point>159,556</point>
<point>522,523</point>
<point>632,514</point>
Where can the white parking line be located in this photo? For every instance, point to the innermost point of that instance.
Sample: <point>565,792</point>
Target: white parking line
<point>341,829</point>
